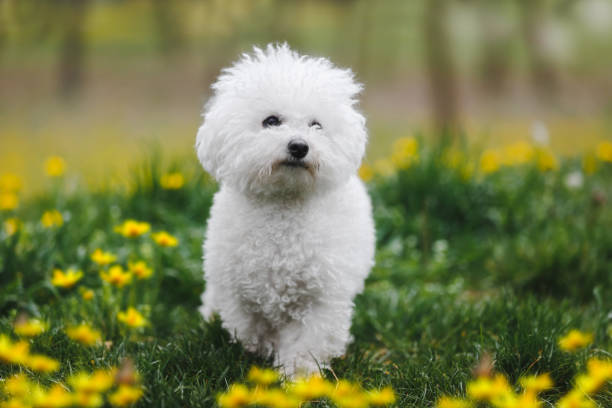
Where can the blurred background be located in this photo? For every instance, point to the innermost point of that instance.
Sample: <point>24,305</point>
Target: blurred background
<point>103,83</point>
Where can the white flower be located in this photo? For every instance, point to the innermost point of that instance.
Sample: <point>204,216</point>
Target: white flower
<point>539,133</point>
<point>440,246</point>
<point>574,180</point>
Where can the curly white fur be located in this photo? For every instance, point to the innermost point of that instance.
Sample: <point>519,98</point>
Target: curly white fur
<point>287,247</point>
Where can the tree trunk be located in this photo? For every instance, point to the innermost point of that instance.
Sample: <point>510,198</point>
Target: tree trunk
<point>543,72</point>
<point>440,68</point>
<point>167,27</point>
<point>72,47</point>
<point>496,39</point>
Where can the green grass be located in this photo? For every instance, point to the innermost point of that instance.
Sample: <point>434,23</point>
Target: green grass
<point>503,264</point>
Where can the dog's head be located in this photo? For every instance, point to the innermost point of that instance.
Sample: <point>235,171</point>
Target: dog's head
<point>281,123</point>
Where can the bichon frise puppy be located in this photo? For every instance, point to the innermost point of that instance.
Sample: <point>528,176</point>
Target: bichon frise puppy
<point>290,238</point>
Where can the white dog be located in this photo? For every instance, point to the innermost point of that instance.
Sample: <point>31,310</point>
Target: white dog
<point>290,239</point>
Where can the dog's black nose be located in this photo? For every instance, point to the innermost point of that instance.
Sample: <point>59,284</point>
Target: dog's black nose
<point>298,148</point>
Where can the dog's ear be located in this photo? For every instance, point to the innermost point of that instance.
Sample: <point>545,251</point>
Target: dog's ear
<point>205,146</point>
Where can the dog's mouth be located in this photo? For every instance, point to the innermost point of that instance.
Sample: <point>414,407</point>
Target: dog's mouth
<point>310,167</point>
<point>295,163</point>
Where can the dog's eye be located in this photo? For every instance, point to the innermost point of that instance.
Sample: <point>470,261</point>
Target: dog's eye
<point>315,124</point>
<point>271,121</point>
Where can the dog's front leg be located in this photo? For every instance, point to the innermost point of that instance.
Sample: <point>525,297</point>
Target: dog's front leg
<point>310,343</point>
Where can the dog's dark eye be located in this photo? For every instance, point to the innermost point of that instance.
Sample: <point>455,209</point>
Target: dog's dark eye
<point>315,124</point>
<point>271,121</point>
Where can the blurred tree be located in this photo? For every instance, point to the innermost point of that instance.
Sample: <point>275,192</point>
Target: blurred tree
<point>367,22</point>
<point>496,34</point>
<point>170,37</point>
<point>3,24</point>
<point>543,70</point>
<point>70,15</point>
<point>440,67</point>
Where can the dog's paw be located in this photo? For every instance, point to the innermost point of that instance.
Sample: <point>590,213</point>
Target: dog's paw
<point>208,313</point>
<point>300,367</point>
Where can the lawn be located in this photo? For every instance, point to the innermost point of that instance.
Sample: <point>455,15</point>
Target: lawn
<point>484,262</point>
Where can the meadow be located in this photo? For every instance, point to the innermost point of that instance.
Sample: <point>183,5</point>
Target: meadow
<point>492,288</point>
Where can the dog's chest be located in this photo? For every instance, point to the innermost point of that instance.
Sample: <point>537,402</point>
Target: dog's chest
<point>282,268</point>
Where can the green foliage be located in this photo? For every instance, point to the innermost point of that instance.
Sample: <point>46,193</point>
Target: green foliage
<point>519,226</point>
<point>504,263</point>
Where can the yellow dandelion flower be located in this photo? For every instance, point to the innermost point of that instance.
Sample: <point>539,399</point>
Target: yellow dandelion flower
<point>405,152</point>
<point>132,317</point>
<point>66,280</point>
<point>55,166</point>
<point>29,327</point>
<point>263,376</point>
<point>55,397</point>
<point>237,396</point>
<point>163,239</point>
<point>172,181</point>
<point>348,395</point>
<point>125,395</point>
<point>140,269</point>
<point>97,382</point>
<point>518,153</point>
<point>456,159</point>
<point>133,228</point>
<point>87,399</point>
<point>526,400</point>
<point>41,363</point>
<point>604,151</point>
<point>15,403</point>
<point>366,172</point>
<point>311,388</point>
<point>576,399</point>
<point>102,258</point>
<point>116,276</point>
<point>575,340</point>
<point>589,163</point>
<point>600,368</point>
<point>104,379</point>
<point>386,396</point>
<point>588,384</point>
<point>598,373</point>
<point>15,353</point>
<point>18,385</point>
<point>351,401</point>
<point>87,294</point>
<point>384,167</point>
<point>546,160</point>
<point>490,161</point>
<point>11,226</point>
<point>273,398</point>
<point>10,182</point>
<point>8,201</point>
<point>536,383</point>
<point>489,389</point>
<point>52,218</point>
<point>450,402</point>
<point>84,334</point>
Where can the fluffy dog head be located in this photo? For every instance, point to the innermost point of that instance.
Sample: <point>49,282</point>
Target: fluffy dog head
<point>281,123</point>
